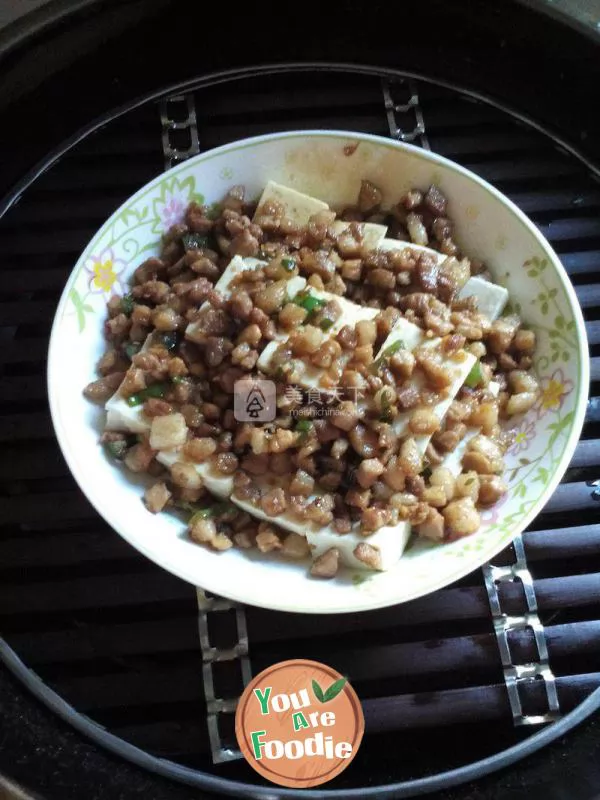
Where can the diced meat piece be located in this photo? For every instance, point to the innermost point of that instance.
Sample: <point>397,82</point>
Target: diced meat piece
<point>408,397</point>
<point>502,333</point>
<point>295,546</point>
<point>226,463</point>
<point>347,415</point>
<point>364,440</point>
<point>369,197</point>
<point>186,476</point>
<point>467,485</point>
<point>267,539</point>
<point>156,497</point>
<point>368,471</point>
<point>427,272</point>
<point>326,565</point>
<point>168,432</point>
<point>435,201</point>
<point>520,403</point>
<point>438,376</point>
<point>433,526</point>
<point>155,407</point>
<point>416,229</point>
<point>273,502</point>
<point>423,422</point>
<point>410,458</point>
<point>368,554</point>
<point>461,518</point>
<point>374,518</point>
<point>139,457</point>
<point>101,390</point>
<point>491,489</point>
<point>302,484</point>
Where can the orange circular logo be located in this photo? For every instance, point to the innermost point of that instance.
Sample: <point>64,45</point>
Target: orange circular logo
<point>299,723</point>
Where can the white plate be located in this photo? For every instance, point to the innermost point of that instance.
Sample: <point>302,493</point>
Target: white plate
<point>329,165</point>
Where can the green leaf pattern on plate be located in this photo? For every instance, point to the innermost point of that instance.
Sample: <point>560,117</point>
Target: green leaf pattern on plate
<point>134,232</point>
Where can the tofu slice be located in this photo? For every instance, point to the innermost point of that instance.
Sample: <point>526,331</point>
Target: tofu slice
<point>119,415</point>
<point>453,460</point>
<point>407,332</point>
<point>298,207</point>
<point>234,268</point>
<point>389,540</point>
<point>310,375</point>
<point>413,336</point>
<point>122,417</point>
<point>217,484</point>
<point>285,521</point>
<point>459,371</point>
<point>491,298</point>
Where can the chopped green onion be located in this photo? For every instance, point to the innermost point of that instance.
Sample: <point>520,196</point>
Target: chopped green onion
<point>156,390</point>
<point>306,300</point>
<point>387,354</point>
<point>220,509</point>
<point>213,211</point>
<point>325,324</point>
<point>288,264</point>
<point>185,506</point>
<point>194,241</point>
<point>474,377</point>
<point>202,513</point>
<point>131,349</point>
<point>217,510</point>
<point>386,411</point>
<point>127,304</point>
<point>304,426</point>
<point>116,449</point>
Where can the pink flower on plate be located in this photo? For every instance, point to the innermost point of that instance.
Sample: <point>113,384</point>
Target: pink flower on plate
<point>173,210</point>
<point>522,435</point>
<point>104,270</point>
<point>175,196</point>
<point>554,391</point>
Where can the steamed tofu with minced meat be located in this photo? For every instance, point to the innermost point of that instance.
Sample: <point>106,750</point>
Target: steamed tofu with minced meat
<point>394,362</point>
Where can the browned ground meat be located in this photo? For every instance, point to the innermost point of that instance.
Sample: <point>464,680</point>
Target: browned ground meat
<point>352,468</point>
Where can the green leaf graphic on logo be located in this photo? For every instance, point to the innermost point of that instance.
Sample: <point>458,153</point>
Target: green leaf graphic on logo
<point>334,689</point>
<point>330,693</point>
<point>318,691</point>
